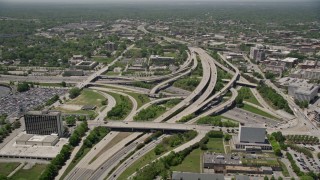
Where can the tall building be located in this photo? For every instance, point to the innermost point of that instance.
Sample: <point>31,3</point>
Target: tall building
<point>44,123</point>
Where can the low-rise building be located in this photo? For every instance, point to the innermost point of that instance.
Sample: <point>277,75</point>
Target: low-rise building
<point>86,65</point>
<point>160,60</point>
<point>36,140</point>
<point>275,67</point>
<point>308,64</point>
<point>290,62</point>
<point>76,59</point>
<point>251,138</point>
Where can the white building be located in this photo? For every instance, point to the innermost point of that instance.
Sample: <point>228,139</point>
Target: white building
<point>302,91</point>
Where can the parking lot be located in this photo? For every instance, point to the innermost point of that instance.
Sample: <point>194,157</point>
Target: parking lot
<point>12,103</point>
<point>306,164</point>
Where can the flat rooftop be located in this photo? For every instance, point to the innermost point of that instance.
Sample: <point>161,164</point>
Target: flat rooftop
<point>31,151</point>
<point>223,159</point>
<point>52,113</point>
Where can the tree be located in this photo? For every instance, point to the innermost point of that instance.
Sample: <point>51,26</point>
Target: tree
<point>63,84</point>
<point>22,87</point>
<point>74,92</point>
<point>70,120</point>
<point>266,178</point>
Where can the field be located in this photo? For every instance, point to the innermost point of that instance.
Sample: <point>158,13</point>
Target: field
<point>88,97</point>
<point>7,168</point>
<point>29,174</point>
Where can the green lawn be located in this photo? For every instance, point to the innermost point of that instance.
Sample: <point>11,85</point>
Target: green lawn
<point>140,98</point>
<point>7,168</point>
<point>29,174</point>
<point>215,145</point>
<point>88,97</point>
<point>257,111</point>
<point>192,161</point>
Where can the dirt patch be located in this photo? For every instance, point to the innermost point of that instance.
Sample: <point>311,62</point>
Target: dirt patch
<point>71,107</point>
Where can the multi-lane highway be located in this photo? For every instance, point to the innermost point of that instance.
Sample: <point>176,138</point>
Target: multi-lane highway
<point>207,92</point>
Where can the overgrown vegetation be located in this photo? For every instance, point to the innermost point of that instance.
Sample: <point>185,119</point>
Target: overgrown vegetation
<point>272,96</point>
<point>149,113</point>
<point>121,109</point>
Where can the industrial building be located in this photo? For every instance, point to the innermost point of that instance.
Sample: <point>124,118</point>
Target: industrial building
<point>44,123</point>
<point>251,138</point>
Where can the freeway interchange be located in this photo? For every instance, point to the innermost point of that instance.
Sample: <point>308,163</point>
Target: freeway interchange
<point>112,162</point>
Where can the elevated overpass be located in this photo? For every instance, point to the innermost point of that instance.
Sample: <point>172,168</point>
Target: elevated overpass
<point>196,93</point>
<point>242,83</point>
<point>150,126</point>
<point>167,82</point>
<point>208,91</point>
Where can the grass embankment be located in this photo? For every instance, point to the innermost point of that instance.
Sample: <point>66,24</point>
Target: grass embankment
<point>257,111</point>
<point>218,121</point>
<point>284,168</point>
<point>140,98</point>
<point>29,174</point>
<point>251,98</point>
<point>7,168</point>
